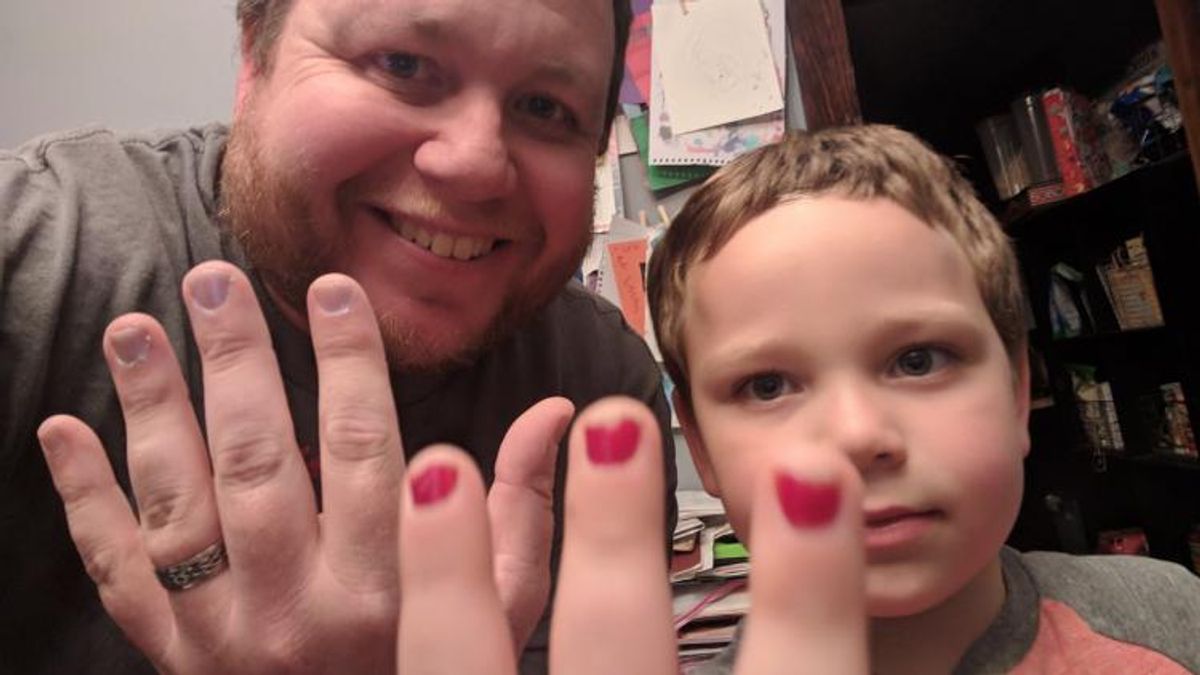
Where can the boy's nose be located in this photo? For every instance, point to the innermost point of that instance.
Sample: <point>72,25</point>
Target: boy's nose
<point>467,157</point>
<point>859,424</point>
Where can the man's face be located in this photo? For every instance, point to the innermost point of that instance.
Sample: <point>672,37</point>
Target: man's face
<point>834,325</point>
<point>441,152</point>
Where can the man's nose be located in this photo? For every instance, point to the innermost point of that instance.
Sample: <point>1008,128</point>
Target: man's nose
<point>859,422</point>
<point>467,157</point>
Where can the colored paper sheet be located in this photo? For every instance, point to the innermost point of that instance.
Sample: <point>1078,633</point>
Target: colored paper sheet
<point>663,177</point>
<point>635,87</point>
<point>716,62</point>
<point>628,262</point>
<point>718,145</point>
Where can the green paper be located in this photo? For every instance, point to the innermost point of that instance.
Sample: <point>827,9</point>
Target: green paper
<point>663,177</point>
<point>729,551</point>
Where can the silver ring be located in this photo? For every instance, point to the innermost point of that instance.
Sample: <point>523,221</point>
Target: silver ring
<point>195,570</point>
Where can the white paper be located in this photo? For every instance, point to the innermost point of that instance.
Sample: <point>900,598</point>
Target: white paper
<point>719,145</point>
<point>715,61</point>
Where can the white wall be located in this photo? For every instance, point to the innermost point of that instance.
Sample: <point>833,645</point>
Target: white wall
<point>127,64</point>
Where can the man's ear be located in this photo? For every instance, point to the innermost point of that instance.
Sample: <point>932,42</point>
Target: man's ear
<point>695,443</point>
<point>249,71</point>
<point>1022,383</point>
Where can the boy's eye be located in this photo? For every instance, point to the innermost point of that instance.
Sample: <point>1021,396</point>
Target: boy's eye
<point>766,387</point>
<point>921,361</point>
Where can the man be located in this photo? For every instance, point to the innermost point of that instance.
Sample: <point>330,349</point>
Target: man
<point>441,154</point>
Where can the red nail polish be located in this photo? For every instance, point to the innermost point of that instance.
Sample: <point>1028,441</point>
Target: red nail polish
<point>612,445</point>
<point>433,484</point>
<point>807,505</point>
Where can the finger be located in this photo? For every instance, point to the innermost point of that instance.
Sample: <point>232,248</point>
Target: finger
<point>106,534</point>
<point>361,455</point>
<point>446,572</point>
<point>807,583</point>
<point>168,465</point>
<point>264,494</point>
<point>612,609</point>
<point>521,504</point>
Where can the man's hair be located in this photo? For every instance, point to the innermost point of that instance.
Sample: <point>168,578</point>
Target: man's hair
<point>262,20</point>
<point>856,162</point>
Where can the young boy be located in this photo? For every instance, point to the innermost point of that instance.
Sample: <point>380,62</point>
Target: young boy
<point>845,291</point>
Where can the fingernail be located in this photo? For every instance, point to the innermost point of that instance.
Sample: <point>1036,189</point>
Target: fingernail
<point>50,442</point>
<point>131,345</point>
<point>433,484</point>
<point>334,297</point>
<point>210,289</point>
<point>807,505</point>
<point>612,445</point>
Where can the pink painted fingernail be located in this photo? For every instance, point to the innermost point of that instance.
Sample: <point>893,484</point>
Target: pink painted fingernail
<point>807,505</point>
<point>433,484</point>
<point>612,445</point>
<point>131,345</point>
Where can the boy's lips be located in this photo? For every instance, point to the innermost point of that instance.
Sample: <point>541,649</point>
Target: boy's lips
<point>896,527</point>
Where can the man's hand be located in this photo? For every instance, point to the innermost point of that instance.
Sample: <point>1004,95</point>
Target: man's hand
<point>301,592</point>
<point>612,612</point>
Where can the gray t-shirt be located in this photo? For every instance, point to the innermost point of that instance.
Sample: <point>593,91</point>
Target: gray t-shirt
<point>1078,614</point>
<point>97,224</point>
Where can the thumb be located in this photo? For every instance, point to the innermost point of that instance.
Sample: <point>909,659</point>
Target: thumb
<point>521,509</point>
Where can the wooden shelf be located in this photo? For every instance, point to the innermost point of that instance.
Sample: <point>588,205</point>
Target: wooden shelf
<point>1018,219</point>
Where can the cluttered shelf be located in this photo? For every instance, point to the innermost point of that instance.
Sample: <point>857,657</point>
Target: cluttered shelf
<point>1019,215</point>
<point>1159,460</point>
<point>1142,334</point>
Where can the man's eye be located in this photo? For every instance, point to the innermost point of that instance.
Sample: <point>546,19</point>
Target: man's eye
<point>765,387</point>
<point>921,361</point>
<point>401,65</point>
<point>547,109</point>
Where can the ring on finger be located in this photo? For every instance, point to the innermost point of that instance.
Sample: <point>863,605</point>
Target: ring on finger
<point>195,570</point>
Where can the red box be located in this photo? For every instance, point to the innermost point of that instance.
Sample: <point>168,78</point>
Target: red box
<point>1076,139</point>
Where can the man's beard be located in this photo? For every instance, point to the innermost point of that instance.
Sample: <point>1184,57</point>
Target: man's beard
<point>271,216</point>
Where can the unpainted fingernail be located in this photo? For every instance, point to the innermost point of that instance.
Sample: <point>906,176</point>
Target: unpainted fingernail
<point>210,289</point>
<point>51,442</point>
<point>334,297</point>
<point>612,445</point>
<point>807,504</point>
<point>433,484</point>
<point>131,345</point>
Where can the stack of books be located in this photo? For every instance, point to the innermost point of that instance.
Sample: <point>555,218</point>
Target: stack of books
<point>709,570</point>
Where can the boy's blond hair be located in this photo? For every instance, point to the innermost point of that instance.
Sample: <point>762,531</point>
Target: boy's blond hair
<point>857,162</point>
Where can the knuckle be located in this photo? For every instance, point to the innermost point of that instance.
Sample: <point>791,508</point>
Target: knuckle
<point>224,349</point>
<point>249,460</point>
<point>75,494</point>
<point>350,343</point>
<point>103,560</point>
<point>142,399</point>
<point>165,505</point>
<point>357,432</point>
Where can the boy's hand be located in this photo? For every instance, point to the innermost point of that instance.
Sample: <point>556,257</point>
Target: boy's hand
<point>613,609</point>
<point>290,590</point>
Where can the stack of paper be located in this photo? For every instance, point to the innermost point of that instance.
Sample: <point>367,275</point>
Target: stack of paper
<point>708,575</point>
<point>704,83</point>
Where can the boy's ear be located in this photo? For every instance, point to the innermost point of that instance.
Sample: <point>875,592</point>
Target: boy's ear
<point>695,443</point>
<point>1023,397</point>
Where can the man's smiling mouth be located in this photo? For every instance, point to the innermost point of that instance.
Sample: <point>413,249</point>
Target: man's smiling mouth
<point>441,244</point>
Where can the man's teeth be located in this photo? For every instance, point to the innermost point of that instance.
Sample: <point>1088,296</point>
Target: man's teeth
<point>447,246</point>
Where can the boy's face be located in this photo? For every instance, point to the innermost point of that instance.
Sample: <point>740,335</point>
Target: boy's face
<point>836,325</point>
